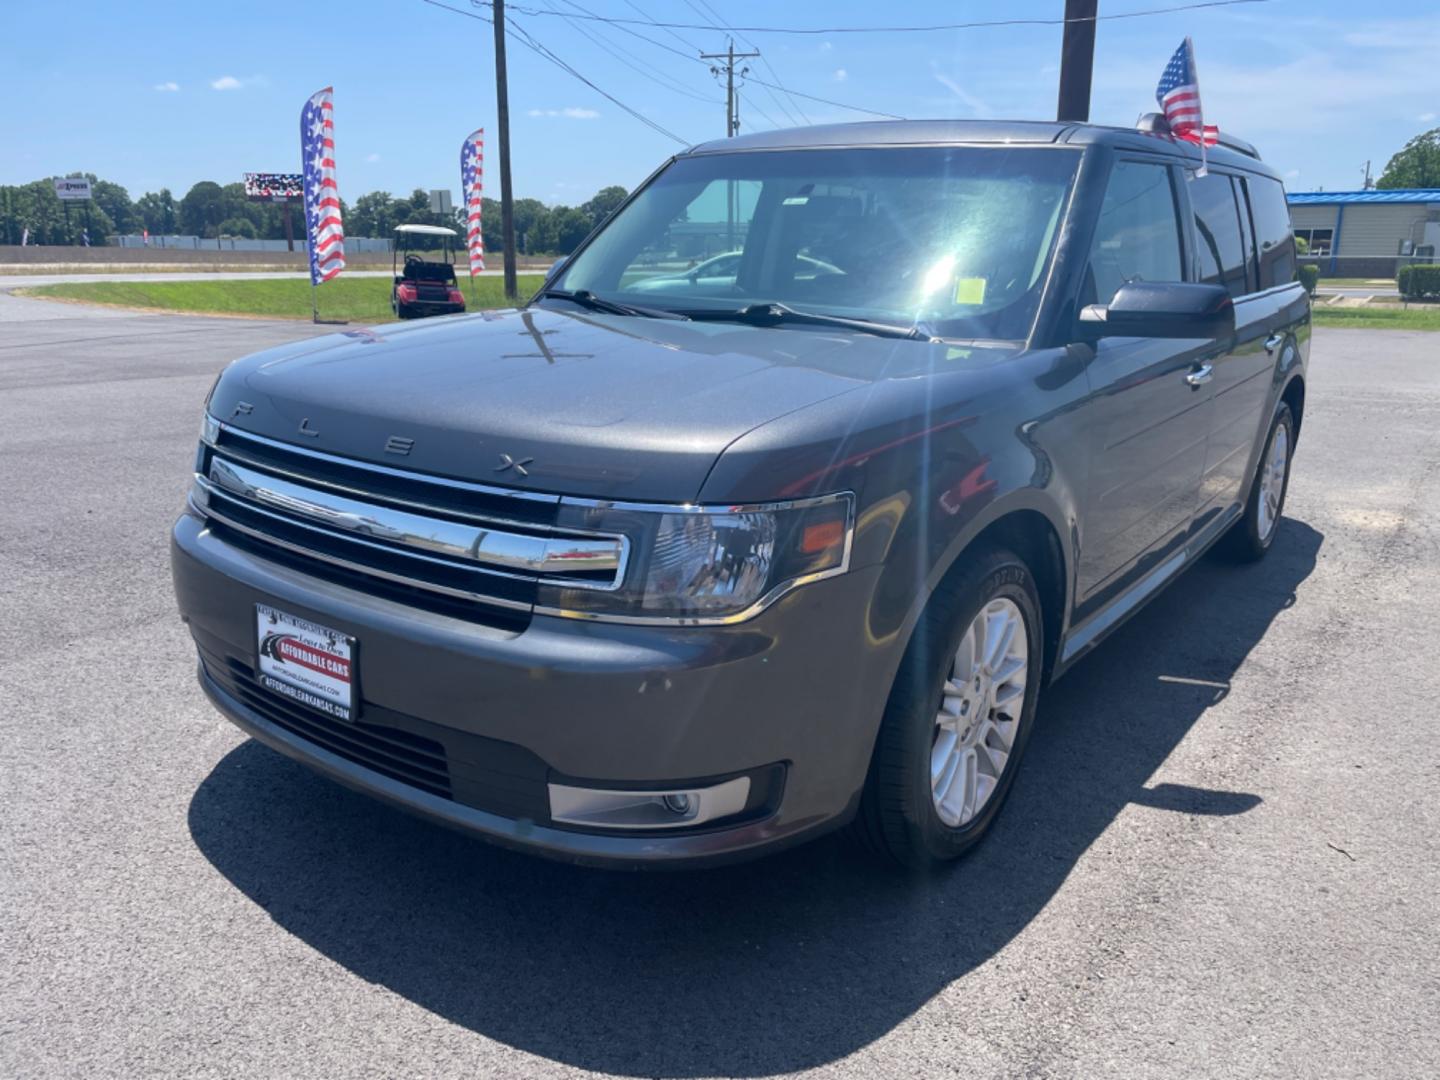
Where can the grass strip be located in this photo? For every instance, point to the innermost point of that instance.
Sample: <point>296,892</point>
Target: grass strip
<point>351,299</point>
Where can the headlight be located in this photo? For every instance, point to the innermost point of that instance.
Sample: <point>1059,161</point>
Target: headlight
<point>209,430</point>
<point>712,564</point>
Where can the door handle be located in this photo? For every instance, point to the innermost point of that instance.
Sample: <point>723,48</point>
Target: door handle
<point>1274,341</point>
<point>1200,376</point>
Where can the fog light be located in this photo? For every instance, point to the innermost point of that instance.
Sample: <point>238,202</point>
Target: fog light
<point>672,809</point>
<point>678,804</point>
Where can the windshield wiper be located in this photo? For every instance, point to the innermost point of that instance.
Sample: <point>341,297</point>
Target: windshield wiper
<point>587,299</point>
<point>772,313</point>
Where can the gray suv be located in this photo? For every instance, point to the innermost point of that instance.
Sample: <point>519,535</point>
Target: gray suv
<point>644,574</point>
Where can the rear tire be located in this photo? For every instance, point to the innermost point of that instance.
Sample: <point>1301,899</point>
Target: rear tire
<point>954,694</point>
<point>1250,537</point>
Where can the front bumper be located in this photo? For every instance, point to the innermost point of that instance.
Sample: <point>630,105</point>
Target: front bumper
<point>792,697</point>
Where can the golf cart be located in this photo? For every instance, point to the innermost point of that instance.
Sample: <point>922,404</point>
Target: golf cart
<point>423,287</point>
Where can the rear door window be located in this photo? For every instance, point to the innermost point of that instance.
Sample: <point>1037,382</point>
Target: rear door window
<point>1272,232</point>
<point>1219,243</point>
<point>1247,234</point>
<point>1137,237</point>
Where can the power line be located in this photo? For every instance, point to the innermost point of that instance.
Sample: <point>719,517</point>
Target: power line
<point>710,15</point>
<point>650,18</point>
<point>768,67</point>
<point>665,25</point>
<point>696,60</point>
<point>543,50</point>
<point>518,32</point>
<point>657,77</point>
<point>837,104</point>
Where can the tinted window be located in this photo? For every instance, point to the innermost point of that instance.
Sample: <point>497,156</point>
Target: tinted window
<point>955,238</point>
<point>1247,234</point>
<point>1272,232</point>
<point>1218,242</point>
<point>1137,237</point>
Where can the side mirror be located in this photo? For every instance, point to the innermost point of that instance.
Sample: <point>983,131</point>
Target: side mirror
<point>1179,309</point>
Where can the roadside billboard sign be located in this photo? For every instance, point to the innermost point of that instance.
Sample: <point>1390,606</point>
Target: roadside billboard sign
<point>440,201</point>
<point>73,189</point>
<point>274,187</point>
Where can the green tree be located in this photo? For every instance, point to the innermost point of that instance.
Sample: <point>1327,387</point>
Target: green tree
<point>34,206</point>
<point>239,226</point>
<point>158,212</point>
<point>532,227</point>
<point>571,225</point>
<point>202,209</point>
<point>115,202</point>
<point>604,203</point>
<point>1416,166</point>
<point>374,214</point>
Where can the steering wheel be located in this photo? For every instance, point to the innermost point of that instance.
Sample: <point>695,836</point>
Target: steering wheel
<point>413,260</point>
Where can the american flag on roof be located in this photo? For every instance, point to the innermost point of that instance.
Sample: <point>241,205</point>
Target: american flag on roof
<point>1179,95</point>
<point>322,195</point>
<point>472,174</point>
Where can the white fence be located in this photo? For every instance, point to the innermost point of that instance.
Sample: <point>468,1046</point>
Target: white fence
<point>353,244</point>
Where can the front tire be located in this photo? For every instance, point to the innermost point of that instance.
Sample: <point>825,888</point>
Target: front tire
<point>1250,537</point>
<point>959,715</point>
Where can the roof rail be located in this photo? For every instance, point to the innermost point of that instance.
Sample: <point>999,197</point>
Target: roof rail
<point>1156,124</point>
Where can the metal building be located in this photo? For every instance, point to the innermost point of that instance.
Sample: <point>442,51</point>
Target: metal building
<point>1367,233</point>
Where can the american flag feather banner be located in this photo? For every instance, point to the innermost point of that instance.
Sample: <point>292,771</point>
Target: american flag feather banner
<point>322,195</point>
<point>1179,95</point>
<point>472,175</point>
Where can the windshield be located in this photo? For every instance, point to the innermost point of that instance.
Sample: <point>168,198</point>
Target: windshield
<point>954,239</point>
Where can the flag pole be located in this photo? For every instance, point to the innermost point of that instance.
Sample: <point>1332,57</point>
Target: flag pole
<point>1200,101</point>
<point>314,301</point>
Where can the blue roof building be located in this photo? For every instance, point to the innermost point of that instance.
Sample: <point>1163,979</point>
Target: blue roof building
<point>1368,233</point>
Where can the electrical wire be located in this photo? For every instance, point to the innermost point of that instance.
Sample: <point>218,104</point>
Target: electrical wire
<point>979,24</point>
<point>650,18</point>
<point>521,35</point>
<point>620,53</point>
<point>803,119</point>
<point>837,104</point>
<point>545,51</point>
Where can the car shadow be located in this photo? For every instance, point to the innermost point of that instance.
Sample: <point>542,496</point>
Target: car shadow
<point>772,966</point>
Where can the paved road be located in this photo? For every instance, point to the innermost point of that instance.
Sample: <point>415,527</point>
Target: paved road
<point>1223,857</point>
<point>1358,290</point>
<point>29,281</point>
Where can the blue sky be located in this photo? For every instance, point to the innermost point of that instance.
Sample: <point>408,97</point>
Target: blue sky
<point>164,94</point>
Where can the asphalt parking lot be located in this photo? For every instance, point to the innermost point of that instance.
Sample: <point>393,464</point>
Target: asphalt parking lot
<point>1222,857</point>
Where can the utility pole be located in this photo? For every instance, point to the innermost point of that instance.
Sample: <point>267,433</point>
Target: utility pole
<point>1368,182</point>
<point>1077,61</point>
<point>502,109</point>
<point>732,109</point>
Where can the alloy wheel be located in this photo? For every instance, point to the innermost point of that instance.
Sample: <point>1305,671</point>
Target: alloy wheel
<point>980,709</point>
<point>1272,482</point>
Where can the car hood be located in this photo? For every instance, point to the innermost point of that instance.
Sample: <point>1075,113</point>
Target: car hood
<point>598,406</point>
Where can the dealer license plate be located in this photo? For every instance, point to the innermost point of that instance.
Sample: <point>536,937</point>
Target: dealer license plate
<point>305,662</point>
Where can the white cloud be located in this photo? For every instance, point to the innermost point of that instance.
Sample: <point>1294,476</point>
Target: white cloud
<point>1291,174</point>
<point>571,113</point>
<point>168,87</point>
<point>840,75</point>
<point>230,82</point>
<point>825,46</point>
<point>1404,35</point>
<point>1425,117</point>
<point>372,158</point>
<point>976,105</point>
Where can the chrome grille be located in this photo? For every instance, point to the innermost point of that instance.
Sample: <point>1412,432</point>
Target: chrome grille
<point>451,538</point>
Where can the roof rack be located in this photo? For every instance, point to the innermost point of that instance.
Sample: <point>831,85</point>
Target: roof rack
<point>1156,124</point>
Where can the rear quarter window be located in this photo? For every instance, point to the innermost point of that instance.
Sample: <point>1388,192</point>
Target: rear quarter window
<point>1219,243</point>
<point>1273,238</point>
